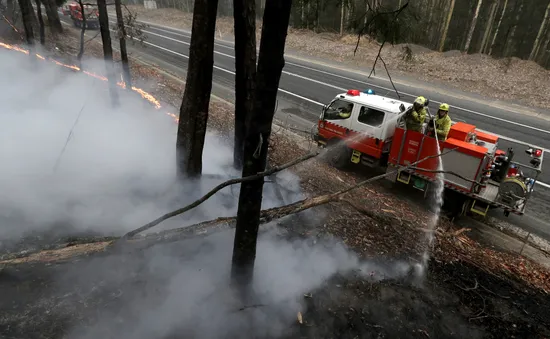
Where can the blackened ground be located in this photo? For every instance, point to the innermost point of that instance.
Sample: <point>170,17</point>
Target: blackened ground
<point>456,301</point>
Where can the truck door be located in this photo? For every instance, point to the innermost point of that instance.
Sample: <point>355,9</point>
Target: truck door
<point>370,122</point>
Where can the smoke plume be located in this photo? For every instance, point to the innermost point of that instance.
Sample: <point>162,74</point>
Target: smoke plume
<point>72,162</point>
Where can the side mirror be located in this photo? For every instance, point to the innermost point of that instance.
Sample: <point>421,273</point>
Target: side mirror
<point>427,103</point>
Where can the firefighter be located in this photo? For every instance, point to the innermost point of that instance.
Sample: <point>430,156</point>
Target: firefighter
<point>416,115</point>
<point>345,112</point>
<point>442,123</point>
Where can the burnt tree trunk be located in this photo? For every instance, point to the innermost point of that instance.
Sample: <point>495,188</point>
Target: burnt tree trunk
<point>10,8</point>
<point>245,71</point>
<point>493,42</point>
<point>107,49</point>
<point>126,76</point>
<point>270,66</point>
<point>446,26</point>
<point>198,86</point>
<point>27,14</point>
<point>472,26</point>
<point>82,32</point>
<point>40,22</point>
<point>53,16</point>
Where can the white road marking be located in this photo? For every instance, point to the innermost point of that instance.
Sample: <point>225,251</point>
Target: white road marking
<point>358,81</point>
<point>307,99</point>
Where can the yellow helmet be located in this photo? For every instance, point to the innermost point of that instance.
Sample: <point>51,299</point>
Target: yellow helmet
<point>444,107</point>
<point>420,101</point>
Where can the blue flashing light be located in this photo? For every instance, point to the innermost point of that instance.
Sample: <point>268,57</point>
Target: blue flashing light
<point>369,91</point>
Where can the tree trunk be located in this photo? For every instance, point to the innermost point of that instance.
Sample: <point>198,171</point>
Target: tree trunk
<point>107,49</point>
<point>508,51</point>
<point>198,86</point>
<point>472,26</point>
<point>27,14</point>
<point>308,13</point>
<point>316,28</point>
<point>350,16</point>
<point>53,16</point>
<point>303,17</point>
<point>488,28</point>
<point>244,13</point>
<point>537,42</point>
<point>342,17</point>
<point>40,22</point>
<point>498,27</point>
<point>82,32</point>
<point>446,27</point>
<point>270,65</point>
<point>10,9</point>
<point>126,76</point>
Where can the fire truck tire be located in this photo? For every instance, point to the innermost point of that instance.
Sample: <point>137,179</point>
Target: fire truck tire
<point>339,156</point>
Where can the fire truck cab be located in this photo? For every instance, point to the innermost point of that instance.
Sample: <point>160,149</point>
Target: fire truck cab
<point>367,123</point>
<point>364,128</point>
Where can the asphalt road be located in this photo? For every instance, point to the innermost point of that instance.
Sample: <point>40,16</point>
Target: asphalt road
<point>310,85</point>
<point>306,85</point>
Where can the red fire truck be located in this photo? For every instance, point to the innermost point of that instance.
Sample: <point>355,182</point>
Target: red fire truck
<point>368,129</point>
<point>92,15</point>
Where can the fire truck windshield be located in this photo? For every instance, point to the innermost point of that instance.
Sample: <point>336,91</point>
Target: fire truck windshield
<point>338,109</point>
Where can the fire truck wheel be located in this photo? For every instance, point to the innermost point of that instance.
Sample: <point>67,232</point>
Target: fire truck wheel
<point>339,156</point>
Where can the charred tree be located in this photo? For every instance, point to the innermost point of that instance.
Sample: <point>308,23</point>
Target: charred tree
<point>82,31</point>
<point>126,76</point>
<point>40,22</point>
<point>446,26</point>
<point>536,44</point>
<point>493,42</point>
<point>342,16</point>
<point>53,16</point>
<point>107,49</point>
<point>270,66</point>
<point>488,28</point>
<point>472,26</point>
<point>27,14</point>
<point>245,71</point>
<point>198,86</point>
<point>10,9</point>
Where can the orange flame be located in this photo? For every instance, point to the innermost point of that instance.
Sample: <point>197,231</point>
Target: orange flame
<point>14,48</point>
<point>121,83</point>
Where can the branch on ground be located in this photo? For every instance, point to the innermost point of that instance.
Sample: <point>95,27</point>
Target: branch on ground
<point>277,212</point>
<point>216,189</point>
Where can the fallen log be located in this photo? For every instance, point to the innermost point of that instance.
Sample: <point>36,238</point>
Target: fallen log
<point>209,227</point>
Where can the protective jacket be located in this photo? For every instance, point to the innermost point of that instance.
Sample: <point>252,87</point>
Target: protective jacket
<point>442,127</point>
<point>414,120</point>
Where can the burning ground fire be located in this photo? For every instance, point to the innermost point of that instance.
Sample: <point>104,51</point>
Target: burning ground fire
<point>120,83</point>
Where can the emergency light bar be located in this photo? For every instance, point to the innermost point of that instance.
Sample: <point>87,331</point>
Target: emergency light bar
<point>353,92</point>
<point>369,91</point>
<point>534,152</point>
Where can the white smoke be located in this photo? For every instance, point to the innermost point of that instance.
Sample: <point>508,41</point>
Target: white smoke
<point>68,158</point>
<point>184,288</point>
<point>117,172</point>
